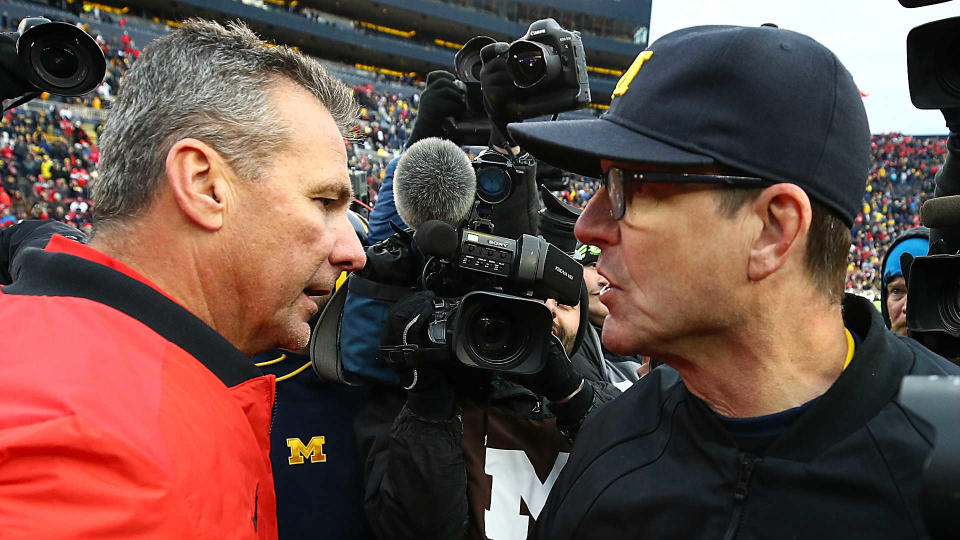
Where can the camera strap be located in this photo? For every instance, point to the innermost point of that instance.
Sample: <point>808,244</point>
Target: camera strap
<point>400,356</point>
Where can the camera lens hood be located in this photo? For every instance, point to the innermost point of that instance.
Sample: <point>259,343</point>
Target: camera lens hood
<point>531,63</point>
<point>60,58</point>
<point>467,61</point>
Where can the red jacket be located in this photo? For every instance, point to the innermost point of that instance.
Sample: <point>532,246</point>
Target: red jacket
<point>121,414</point>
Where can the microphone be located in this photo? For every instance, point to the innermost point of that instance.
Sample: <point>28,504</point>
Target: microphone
<point>941,212</point>
<point>434,180</point>
<point>437,239</point>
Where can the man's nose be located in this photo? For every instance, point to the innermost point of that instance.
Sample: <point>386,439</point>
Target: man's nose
<point>348,254</point>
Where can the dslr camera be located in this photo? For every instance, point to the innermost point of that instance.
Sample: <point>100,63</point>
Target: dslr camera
<point>547,65</point>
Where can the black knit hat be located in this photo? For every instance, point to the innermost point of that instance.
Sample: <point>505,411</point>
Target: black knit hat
<point>767,101</point>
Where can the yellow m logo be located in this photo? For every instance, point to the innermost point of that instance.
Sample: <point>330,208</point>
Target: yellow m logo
<point>313,450</point>
<point>624,83</point>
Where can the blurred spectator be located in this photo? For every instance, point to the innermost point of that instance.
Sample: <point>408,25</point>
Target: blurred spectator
<point>900,180</point>
<point>893,299</point>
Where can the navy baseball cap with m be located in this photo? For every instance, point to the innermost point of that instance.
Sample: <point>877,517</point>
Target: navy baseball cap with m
<point>770,102</point>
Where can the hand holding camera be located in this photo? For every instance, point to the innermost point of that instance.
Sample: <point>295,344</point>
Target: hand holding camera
<point>443,97</point>
<point>405,348</point>
<point>544,72</point>
<point>558,381</point>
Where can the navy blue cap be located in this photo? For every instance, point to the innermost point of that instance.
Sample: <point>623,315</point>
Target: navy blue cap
<point>767,101</point>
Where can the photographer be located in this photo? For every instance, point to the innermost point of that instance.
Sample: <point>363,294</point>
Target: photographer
<point>893,294</point>
<point>724,242</point>
<point>457,452</point>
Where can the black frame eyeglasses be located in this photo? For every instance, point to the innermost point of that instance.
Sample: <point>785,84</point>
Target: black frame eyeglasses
<point>615,177</point>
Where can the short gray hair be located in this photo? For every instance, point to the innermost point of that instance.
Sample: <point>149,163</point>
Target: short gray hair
<point>211,83</point>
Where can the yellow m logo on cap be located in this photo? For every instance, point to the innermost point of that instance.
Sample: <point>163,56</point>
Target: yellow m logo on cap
<point>624,83</point>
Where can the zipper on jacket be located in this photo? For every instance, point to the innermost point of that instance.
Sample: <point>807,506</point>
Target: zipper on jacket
<point>746,464</point>
<point>276,405</point>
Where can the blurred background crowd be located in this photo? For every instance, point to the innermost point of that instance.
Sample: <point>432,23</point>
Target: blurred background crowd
<point>49,155</point>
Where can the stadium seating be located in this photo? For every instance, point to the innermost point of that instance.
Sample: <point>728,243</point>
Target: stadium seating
<point>48,155</point>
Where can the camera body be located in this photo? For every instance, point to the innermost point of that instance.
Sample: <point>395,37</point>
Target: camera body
<point>550,64</point>
<point>497,176</point>
<point>486,286</point>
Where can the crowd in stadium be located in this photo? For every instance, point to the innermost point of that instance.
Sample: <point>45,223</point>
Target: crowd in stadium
<point>422,379</point>
<point>49,158</point>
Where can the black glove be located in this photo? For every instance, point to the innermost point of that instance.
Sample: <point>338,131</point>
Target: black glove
<point>442,98</point>
<point>558,379</point>
<point>500,95</point>
<point>405,347</point>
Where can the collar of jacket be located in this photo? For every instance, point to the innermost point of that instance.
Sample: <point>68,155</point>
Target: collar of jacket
<point>870,382</point>
<point>60,274</point>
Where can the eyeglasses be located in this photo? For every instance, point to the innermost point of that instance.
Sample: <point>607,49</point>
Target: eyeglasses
<point>614,178</point>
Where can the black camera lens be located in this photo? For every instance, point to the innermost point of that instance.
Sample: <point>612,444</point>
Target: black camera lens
<point>60,58</point>
<point>500,332</point>
<point>531,63</point>
<point>493,184</point>
<point>950,308</point>
<point>59,62</point>
<point>493,335</point>
<point>528,67</point>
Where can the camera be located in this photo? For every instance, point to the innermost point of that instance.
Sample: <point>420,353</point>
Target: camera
<point>547,64</point>
<point>497,176</point>
<point>933,71</point>
<point>485,285</point>
<point>54,57</point>
<point>483,330</point>
<point>935,400</point>
<point>933,281</point>
<point>933,285</point>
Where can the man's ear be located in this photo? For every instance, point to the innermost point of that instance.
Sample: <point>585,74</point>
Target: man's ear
<point>196,177</point>
<point>784,212</point>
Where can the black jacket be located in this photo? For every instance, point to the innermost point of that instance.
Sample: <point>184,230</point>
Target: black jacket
<point>656,463</point>
<point>431,477</point>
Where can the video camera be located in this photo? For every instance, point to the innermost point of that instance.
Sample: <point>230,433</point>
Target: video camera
<point>485,286</point>
<point>44,56</point>
<point>548,66</point>
<point>933,284</point>
<point>933,281</point>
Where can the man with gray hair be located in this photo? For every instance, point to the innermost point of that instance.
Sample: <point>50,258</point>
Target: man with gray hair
<point>220,210</point>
